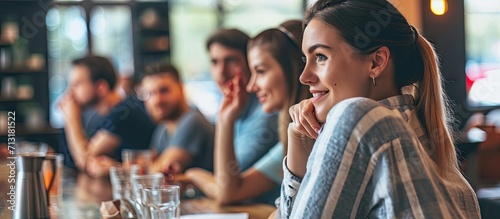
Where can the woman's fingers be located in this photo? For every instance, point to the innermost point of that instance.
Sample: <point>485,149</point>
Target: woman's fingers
<point>296,114</point>
<point>297,126</point>
<point>312,122</point>
<point>302,115</point>
<point>305,124</point>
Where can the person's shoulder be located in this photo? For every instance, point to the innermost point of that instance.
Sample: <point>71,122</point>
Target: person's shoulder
<point>352,111</point>
<point>193,118</point>
<point>359,103</point>
<point>124,107</point>
<point>159,129</point>
<point>127,102</point>
<point>366,121</point>
<point>356,106</point>
<point>193,114</point>
<point>130,111</point>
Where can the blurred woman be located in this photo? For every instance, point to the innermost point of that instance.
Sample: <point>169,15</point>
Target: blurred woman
<point>383,148</point>
<point>274,58</point>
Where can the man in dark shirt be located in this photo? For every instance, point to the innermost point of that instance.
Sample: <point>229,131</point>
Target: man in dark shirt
<point>124,123</point>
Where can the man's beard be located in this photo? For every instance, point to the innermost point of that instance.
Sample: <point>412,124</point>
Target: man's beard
<point>94,101</point>
<point>173,115</point>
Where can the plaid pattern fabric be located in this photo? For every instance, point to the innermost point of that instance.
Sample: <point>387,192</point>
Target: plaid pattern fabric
<point>370,161</point>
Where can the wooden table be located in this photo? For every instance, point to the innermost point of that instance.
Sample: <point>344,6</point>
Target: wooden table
<point>204,205</point>
<point>82,196</point>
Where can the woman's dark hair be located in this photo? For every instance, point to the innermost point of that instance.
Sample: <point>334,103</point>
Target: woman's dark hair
<point>367,25</point>
<point>100,68</point>
<point>370,24</point>
<point>284,45</point>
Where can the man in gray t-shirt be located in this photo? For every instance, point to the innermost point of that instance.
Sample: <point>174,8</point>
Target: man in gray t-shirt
<point>183,137</point>
<point>193,134</point>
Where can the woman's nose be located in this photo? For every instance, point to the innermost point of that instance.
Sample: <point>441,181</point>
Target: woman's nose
<point>308,76</point>
<point>251,87</point>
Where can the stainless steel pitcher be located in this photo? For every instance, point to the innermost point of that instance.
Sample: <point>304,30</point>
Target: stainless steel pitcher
<point>32,197</point>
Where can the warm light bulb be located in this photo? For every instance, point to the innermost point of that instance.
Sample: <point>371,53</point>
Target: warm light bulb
<point>439,7</point>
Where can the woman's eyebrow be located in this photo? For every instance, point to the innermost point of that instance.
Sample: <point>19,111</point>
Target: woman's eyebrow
<point>315,46</point>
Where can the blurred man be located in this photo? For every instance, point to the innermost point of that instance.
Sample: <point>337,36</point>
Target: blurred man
<point>255,131</point>
<point>122,123</point>
<point>183,137</point>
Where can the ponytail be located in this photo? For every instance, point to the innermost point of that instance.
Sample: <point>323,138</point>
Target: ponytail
<point>433,111</point>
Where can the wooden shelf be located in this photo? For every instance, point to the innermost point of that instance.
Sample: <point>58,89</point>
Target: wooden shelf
<point>152,41</point>
<point>25,74</point>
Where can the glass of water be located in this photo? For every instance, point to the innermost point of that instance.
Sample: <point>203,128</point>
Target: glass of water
<point>139,182</point>
<point>142,158</point>
<point>121,179</point>
<point>163,202</point>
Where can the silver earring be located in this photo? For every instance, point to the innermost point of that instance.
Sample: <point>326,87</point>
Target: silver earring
<point>374,82</point>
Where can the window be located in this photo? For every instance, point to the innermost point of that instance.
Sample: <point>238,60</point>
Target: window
<point>111,28</point>
<point>111,34</point>
<point>67,40</point>
<point>192,21</point>
<point>255,16</point>
<point>110,31</point>
<point>482,34</point>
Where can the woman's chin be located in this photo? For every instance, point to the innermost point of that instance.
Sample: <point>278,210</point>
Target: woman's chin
<point>267,109</point>
<point>321,113</point>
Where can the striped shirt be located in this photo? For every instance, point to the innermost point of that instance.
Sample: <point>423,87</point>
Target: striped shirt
<point>369,162</point>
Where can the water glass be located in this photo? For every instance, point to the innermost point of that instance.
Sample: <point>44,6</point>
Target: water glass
<point>139,182</point>
<point>163,202</point>
<point>121,181</point>
<point>143,158</point>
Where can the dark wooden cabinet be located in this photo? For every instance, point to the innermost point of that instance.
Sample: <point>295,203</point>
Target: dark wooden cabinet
<point>24,77</point>
<point>151,34</point>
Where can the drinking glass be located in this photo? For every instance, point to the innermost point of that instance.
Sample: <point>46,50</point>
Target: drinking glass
<point>122,189</point>
<point>143,158</point>
<point>121,180</point>
<point>139,182</point>
<point>163,202</point>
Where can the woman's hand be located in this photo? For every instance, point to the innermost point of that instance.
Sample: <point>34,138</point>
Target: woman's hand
<point>304,120</point>
<point>235,98</point>
<point>301,136</point>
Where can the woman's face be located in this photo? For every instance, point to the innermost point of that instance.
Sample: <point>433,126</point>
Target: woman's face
<point>267,79</point>
<point>333,71</point>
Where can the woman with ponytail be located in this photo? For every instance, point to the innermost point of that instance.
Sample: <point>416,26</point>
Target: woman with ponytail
<point>274,58</point>
<point>379,118</point>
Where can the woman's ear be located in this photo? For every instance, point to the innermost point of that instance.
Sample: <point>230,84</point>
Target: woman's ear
<point>380,60</point>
